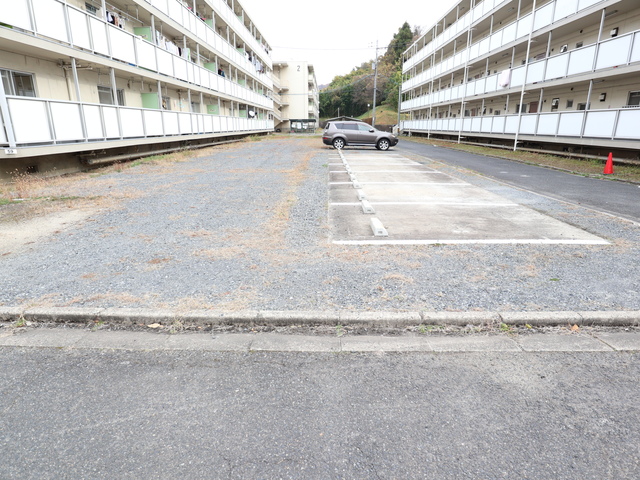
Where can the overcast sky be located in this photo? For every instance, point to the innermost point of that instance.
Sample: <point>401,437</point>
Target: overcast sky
<point>337,35</point>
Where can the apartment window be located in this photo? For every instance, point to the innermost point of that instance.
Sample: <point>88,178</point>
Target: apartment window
<point>195,107</point>
<point>105,95</point>
<point>569,104</point>
<point>579,44</point>
<point>583,106</point>
<point>634,99</point>
<point>555,103</point>
<point>496,112</point>
<point>524,108</point>
<point>18,83</point>
<point>166,103</point>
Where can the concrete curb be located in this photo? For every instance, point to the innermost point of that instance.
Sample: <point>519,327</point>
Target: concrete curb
<point>131,316</point>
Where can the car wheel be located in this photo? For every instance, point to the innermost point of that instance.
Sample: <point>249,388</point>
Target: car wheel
<point>383,144</point>
<point>338,143</point>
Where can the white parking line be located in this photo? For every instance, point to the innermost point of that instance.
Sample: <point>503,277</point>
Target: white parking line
<point>542,241</point>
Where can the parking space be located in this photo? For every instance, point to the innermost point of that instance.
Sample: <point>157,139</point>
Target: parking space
<point>385,198</point>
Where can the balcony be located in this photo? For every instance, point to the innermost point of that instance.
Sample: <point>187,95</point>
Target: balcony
<point>612,124</point>
<point>615,52</point>
<point>36,121</point>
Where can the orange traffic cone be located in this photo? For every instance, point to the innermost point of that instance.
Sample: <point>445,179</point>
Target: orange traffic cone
<point>608,168</point>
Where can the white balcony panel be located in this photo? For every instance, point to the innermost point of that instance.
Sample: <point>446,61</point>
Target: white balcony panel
<point>600,124</point>
<point>99,36</point>
<point>67,122</point>
<point>93,120</point>
<point>153,122</point>
<point>175,11</point>
<point>570,124</point>
<point>457,123</point>
<point>49,17</point>
<point>480,86</point>
<point>614,52</point>
<point>528,124</point>
<point>564,8</point>
<point>476,124</point>
<point>29,118</point>
<point>17,15</point>
<point>122,45</point>
<point>544,16</point>
<point>635,53</point>
<point>511,124</point>
<point>165,62</point>
<point>557,66</point>
<point>110,116</point>
<point>484,46</point>
<point>467,125</point>
<point>509,33</point>
<point>496,40</point>
<point>628,124</point>
<point>498,124</point>
<point>492,84</point>
<point>581,60</point>
<point>146,54</point>
<point>524,26</point>
<point>171,125</point>
<point>180,68</point>
<point>548,124</point>
<point>131,119</point>
<point>517,77</point>
<point>184,120</point>
<point>79,29</point>
<point>535,73</point>
<point>159,4</point>
<point>486,124</point>
<point>3,135</point>
<point>587,3</point>
<point>474,51</point>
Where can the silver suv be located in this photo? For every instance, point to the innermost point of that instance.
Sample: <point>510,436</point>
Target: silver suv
<point>340,134</point>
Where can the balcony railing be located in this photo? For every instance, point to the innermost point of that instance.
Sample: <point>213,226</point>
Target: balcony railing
<point>519,29</point>
<point>62,22</point>
<point>611,124</point>
<point>36,121</point>
<point>614,52</point>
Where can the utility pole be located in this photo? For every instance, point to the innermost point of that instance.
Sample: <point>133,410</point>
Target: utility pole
<point>375,87</point>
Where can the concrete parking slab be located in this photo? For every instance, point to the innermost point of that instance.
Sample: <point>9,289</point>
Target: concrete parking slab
<point>271,342</point>
<point>473,344</point>
<point>370,343</point>
<point>424,206</point>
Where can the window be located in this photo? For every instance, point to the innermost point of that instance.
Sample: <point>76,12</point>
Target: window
<point>555,103</point>
<point>579,44</point>
<point>364,128</point>
<point>569,104</point>
<point>634,99</point>
<point>349,126</point>
<point>105,95</point>
<point>18,83</point>
<point>524,108</point>
<point>583,106</point>
<point>195,107</point>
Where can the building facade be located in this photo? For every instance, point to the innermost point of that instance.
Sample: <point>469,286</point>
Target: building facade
<point>90,80</point>
<point>296,96</point>
<point>561,74</point>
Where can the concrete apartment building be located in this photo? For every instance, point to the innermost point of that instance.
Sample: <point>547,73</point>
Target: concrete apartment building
<point>553,74</point>
<point>296,96</point>
<point>86,81</point>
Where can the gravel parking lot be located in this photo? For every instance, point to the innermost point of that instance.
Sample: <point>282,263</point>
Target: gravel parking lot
<point>245,226</point>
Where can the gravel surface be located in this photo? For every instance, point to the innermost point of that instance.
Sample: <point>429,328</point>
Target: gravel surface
<point>246,228</point>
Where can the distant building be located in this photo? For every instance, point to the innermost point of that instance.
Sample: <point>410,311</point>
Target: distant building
<point>296,96</point>
<point>558,73</point>
<point>90,80</point>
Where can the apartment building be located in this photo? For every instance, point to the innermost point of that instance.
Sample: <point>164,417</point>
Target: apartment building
<point>553,74</point>
<point>296,96</point>
<point>88,81</point>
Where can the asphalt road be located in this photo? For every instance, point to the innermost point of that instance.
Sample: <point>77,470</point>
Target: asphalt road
<point>74,413</point>
<point>617,198</point>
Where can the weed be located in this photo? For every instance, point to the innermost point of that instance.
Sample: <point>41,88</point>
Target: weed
<point>21,322</point>
<point>505,328</point>
<point>339,330</point>
<point>176,327</point>
<point>422,329</point>
<point>97,325</point>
